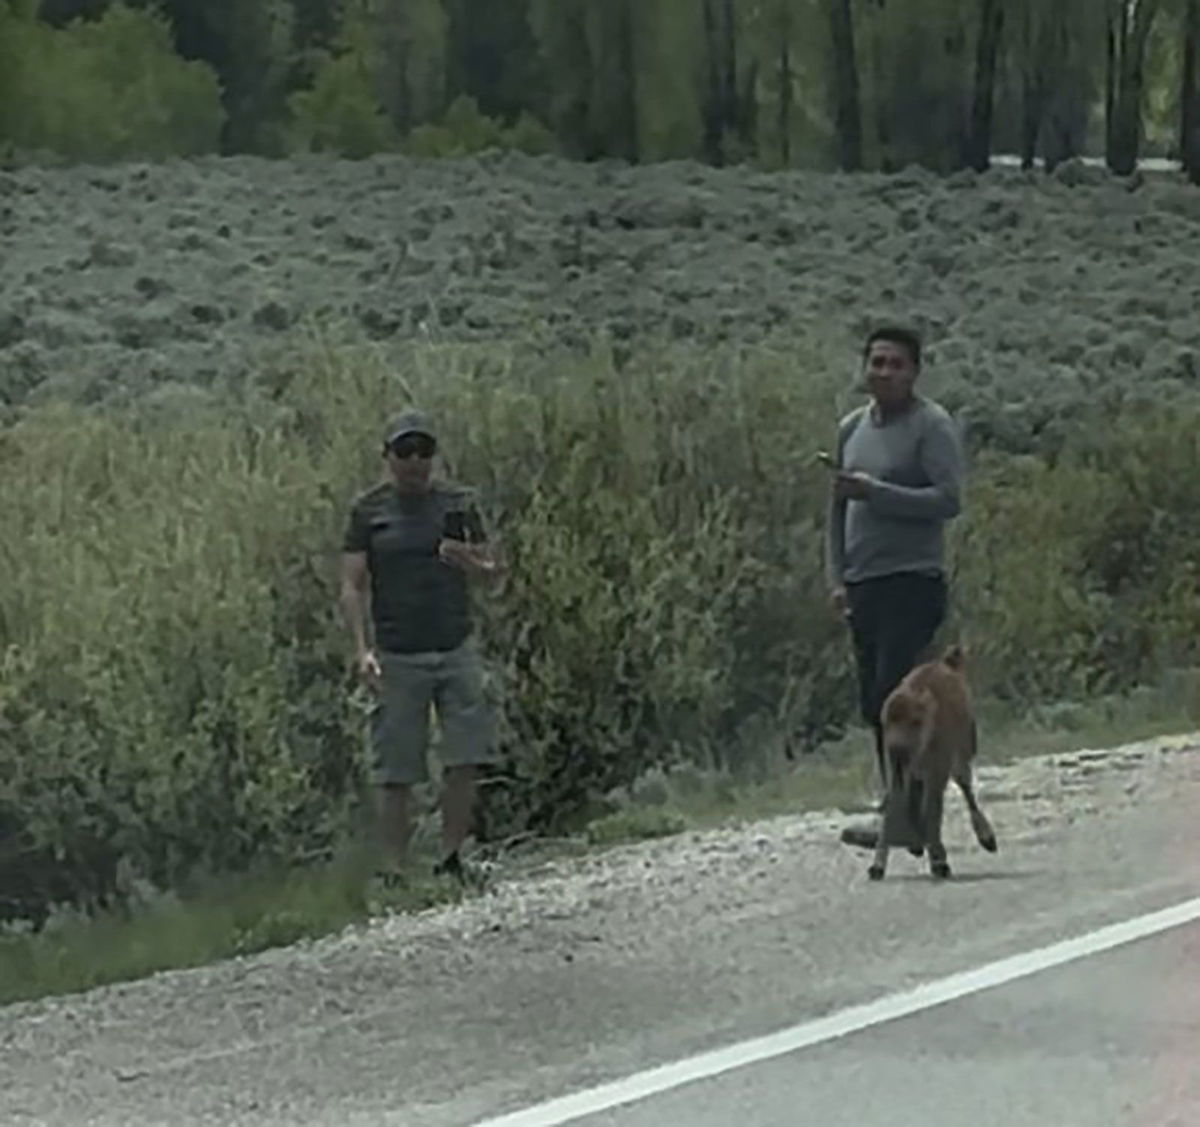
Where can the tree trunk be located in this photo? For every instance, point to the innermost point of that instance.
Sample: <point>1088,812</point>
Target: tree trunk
<point>577,116</point>
<point>630,140</point>
<point>1031,118</point>
<point>492,55</point>
<point>1110,73</point>
<point>397,97</point>
<point>1189,125</point>
<point>725,111</point>
<point>1125,129</point>
<point>785,102</point>
<point>991,30</point>
<point>1033,87</point>
<point>847,105</point>
<point>732,115</point>
<point>1066,110</point>
<point>748,103</point>
<point>713,111</point>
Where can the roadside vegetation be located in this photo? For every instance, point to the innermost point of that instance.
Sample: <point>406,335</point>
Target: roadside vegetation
<point>181,761</point>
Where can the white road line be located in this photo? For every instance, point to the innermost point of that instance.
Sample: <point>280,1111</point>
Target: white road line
<point>654,1081</point>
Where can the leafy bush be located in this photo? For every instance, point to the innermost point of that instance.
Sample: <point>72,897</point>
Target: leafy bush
<point>464,130</point>
<point>341,113</point>
<point>174,691</point>
<point>104,90</point>
<point>1078,573</point>
<point>160,701</point>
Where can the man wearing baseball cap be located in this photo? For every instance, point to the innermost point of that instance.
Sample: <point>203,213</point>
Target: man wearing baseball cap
<point>412,545</point>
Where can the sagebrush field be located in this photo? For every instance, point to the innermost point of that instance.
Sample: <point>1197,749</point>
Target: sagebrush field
<point>1040,296</point>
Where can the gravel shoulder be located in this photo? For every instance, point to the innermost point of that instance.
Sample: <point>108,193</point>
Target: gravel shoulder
<point>593,967</point>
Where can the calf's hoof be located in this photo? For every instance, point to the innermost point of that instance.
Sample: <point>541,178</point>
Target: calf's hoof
<point>939,870</point>
<point>917,850</point>
<point>875,872</point>
<point>989,843</point>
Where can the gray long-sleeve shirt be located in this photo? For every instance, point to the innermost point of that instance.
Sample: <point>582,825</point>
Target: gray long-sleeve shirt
<point>917,461</point>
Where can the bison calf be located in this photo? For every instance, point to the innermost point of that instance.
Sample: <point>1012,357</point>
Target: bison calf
<point>929,737</point>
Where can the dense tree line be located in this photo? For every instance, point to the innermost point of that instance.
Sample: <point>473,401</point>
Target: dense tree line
<point>784,83</point>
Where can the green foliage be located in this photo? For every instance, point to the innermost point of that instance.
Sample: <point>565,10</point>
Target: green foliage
<point>726,81</point>
<point>106,90</point>
<point>670,80</point>
<point>559,27</point>
<point>409,44</point>
<point>918,111</point>
<point>528,135</point>
<point>174,692</point>
<point>463,130</point>
<point>492,57</point>
<point>259,36</point>
<point>1052,80</point>
<point>212,919</point>
<point>1105,593</point>
<point>162,711</point>
<point>793,71</point>
<point>341,113</point>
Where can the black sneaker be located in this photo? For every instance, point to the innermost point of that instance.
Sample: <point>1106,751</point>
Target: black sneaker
<point>467,874</point>
<point>865,835</point>
<point>451,866</point>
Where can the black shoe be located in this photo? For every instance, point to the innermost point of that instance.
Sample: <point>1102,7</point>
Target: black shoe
<point>467,874</point>
<point>865,836</point>
<point>451,866</point>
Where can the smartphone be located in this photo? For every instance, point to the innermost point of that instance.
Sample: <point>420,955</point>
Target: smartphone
<point>454,525</point>
<point>825,458</point>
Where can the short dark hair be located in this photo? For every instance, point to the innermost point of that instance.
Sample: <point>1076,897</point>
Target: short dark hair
<point>895,334</point>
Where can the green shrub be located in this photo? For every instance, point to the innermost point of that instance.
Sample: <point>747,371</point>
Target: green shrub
<point>174,691</point>
<point>1077,574</point>
<point>528,135</point>
<point>341,113</point>
<point>104,90</point>
<point>463,130</point>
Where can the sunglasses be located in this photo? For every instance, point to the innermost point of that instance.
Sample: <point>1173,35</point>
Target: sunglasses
<point>420,445</point>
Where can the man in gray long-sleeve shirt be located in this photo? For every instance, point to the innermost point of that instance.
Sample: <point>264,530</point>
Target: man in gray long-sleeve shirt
<point>899,472</point>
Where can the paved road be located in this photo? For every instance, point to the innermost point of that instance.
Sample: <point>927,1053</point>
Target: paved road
<point>1146,164</point>
<point>1112,1041</point>
<point>607,967</point>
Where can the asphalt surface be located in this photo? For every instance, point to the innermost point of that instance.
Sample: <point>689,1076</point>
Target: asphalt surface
<point>600,968</point>
<point>1111,1041</point>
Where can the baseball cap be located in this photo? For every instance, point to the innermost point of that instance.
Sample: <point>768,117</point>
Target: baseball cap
<point>412,421</point>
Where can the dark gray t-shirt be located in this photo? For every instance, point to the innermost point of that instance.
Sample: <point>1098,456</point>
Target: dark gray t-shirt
<point>418,603</point>
<point>918,463</point>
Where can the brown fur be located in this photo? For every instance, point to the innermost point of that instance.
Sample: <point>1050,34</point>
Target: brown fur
<point>929,738</point>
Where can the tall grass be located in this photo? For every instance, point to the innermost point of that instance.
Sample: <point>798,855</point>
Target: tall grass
<point>174,692</point>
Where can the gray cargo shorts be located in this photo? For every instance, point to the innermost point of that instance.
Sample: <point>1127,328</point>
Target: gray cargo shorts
<point>451,683</point>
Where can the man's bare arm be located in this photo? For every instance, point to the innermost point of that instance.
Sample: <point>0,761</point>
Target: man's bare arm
<point>353,598</point>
